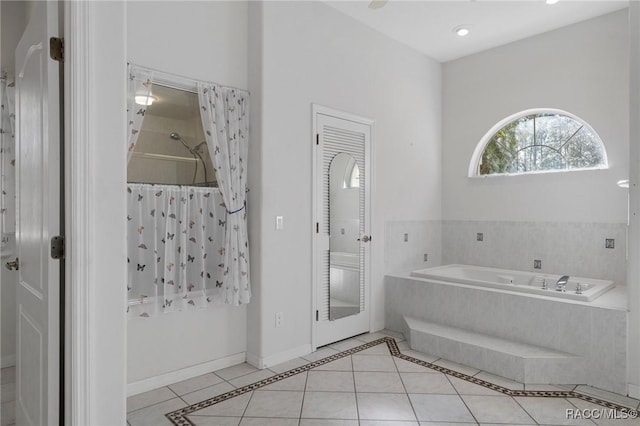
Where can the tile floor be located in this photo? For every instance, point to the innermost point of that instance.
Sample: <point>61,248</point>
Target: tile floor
<point>367,388</point>
<point>8,396</point>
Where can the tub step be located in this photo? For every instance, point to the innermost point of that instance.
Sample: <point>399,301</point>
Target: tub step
<point>516,361</point>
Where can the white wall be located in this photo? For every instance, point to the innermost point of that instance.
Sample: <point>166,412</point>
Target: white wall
<point>310,53</point>
<point>582,69</point>
<point>633,277</point>
<point>204,41</point>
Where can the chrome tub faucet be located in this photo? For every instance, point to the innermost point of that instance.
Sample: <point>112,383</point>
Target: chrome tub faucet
<point>562,283</point>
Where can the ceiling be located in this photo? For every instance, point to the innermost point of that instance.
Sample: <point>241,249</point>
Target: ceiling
<point>427,26</point>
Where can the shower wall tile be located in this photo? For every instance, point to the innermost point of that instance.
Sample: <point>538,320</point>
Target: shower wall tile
<point>425,236</point>
<point>563,247</point>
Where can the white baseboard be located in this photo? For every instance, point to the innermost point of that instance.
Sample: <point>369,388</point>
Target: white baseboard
<point>280,357</point>
<point>8,361</point>
<point>634,391</point>
<point>184,374</point>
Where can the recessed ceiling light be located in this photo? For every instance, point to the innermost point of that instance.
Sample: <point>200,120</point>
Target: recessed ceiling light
<point>145,100</point>
<point>462,30</point>
<point>551,1</point>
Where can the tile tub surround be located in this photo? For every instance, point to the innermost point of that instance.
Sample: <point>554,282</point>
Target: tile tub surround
<point>565,248</point>
<point>453,397</point>
<point>596,333</point>
<point>424,236</point>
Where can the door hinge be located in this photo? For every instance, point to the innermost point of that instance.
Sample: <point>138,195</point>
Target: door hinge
<point>56,49</point>
<point>317,227</point>
<point>317,138</point>
<point>57,247</point>
<point>317,315</point>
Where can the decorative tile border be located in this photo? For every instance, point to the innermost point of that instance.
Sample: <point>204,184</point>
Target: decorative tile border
<point>179,417</point>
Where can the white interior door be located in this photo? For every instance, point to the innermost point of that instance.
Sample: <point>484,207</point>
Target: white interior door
<point>341,135</point>
<point>38,219</point>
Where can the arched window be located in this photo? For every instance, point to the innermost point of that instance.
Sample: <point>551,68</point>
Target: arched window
<point>537,141</point>
<point>351,175</point>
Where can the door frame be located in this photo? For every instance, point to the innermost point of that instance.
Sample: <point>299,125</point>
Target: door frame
<point>369,190</point>
<point>95,177</point>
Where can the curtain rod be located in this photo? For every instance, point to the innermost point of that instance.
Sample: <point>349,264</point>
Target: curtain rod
<point>169,76</point>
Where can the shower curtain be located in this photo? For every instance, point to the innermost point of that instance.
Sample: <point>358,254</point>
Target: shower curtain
<point>175,248</point>
<point>225,118</point>
<point>187,246</point>
<point>140,82</point>
<point>7,159</point>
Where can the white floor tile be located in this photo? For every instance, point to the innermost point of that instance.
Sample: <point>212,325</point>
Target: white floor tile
<point>384,406</point>
<point>379,382</point>
<point>497,409</point>
<point>236,371</point>
<point>330,381</point>
<point>206,393</point>
<point>467,388</point>
<point>327,422</point>
<point>215,421</point>
<point>427,383</point>
<point>149,398</point>
<point>257,421</point>
<point>233,407</point>
<point>275,404</point>
<point>440,408</point>
<point>329,405</point>
<point>373,363</point>
<point>155,414</point>
<point>289,365</point>
<point>196,383</point>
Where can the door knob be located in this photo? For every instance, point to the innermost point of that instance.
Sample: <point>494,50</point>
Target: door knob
<point>365,238</point>
<point>13,265</point>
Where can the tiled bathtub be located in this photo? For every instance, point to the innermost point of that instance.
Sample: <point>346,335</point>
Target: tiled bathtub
<point>596,331</point>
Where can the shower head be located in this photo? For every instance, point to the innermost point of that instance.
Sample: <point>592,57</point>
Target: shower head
<point>175,136</point>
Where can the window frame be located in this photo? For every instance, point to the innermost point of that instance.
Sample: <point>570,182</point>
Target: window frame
<point>476,157</point>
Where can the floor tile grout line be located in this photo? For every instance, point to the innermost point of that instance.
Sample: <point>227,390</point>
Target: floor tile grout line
<point>525,410</point>
<point>355,391</point>
<point>462,399</point>
<point>407,393</point>
<point>304,394</point>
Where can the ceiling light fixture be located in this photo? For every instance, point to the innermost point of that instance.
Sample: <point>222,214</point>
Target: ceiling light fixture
<point>462,30</point>
<point>551,1</point>
<point>145,100</point>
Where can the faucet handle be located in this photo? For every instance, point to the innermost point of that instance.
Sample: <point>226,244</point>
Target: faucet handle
<point>578,288</point>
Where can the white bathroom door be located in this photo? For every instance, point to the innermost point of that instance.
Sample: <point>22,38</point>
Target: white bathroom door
<point>38,220</point>
<point>337,133</point>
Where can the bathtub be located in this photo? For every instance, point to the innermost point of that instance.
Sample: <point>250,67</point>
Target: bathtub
<point>518,281</point>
